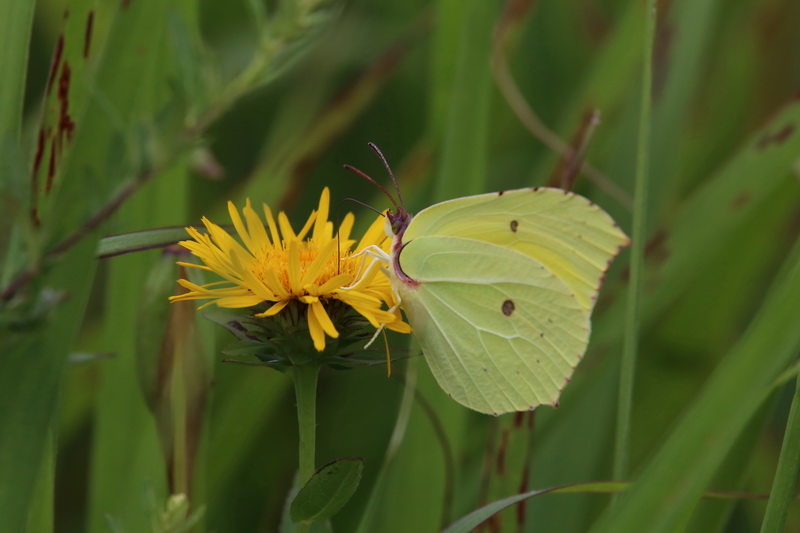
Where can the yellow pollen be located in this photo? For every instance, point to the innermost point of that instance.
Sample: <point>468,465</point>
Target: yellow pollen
<point>277,259</point>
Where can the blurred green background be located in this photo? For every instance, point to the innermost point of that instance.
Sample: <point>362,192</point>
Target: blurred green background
<point>132,115</point>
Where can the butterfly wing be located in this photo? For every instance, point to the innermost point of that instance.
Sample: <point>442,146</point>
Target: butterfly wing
<point>499,330</point>
<point>571,236</point>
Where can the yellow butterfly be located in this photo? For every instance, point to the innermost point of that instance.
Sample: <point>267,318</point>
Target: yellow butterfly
<point>499,289</point>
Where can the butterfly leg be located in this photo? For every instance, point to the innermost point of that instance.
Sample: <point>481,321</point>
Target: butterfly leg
<point>380,259</point>
<point>363,273</point>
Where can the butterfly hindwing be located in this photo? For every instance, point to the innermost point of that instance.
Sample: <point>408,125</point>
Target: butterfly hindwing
<point>501,332</point>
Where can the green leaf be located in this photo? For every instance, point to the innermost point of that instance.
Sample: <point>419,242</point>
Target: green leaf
<point>138,241</point>
<point>786,472</point>
<point>328,490</point>
<point>463,164</point>
<point>472,520</point>
<point>669,488</point>
<point>15,28</point>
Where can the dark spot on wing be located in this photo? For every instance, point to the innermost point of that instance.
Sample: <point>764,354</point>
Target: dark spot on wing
<point>514,225</point>
<point>508,307</point>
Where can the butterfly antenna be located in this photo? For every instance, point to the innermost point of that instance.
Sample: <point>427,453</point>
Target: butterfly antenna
<point>351,168</point>
<point>389,170</point>
<point>362,204</point>
<point>339,218</point>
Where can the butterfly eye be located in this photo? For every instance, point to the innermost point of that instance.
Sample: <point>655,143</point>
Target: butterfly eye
<point>399,221</point>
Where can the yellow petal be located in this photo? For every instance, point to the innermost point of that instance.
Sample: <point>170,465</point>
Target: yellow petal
<point>273,229</point>
<point>293,268</point>
<point>274,309</point>
<point>258,233</point>
<point>324,320</point>
<point>286,228</point>
<point>322,215</point>
<point>345,228</point>
<point>342,280</point>
<point>374,235</point>
<point>317,266</point>
<point>303,232</point>
<point>317,334</point>
<point>275,285</point>
<point>238,225</point>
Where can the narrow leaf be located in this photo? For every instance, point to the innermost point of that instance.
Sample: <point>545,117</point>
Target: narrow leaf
<point>786,472</point>
<point>328,490</point>
<point>671,485</point>
<point>138,241</point>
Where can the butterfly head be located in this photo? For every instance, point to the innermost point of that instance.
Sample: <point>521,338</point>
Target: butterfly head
<point>396,223</point>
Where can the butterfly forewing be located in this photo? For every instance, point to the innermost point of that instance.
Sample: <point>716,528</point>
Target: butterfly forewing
<point>572,237</point>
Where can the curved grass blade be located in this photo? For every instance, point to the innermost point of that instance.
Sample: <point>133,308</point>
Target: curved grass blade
<point>786,472</point>
<point>670,486</point>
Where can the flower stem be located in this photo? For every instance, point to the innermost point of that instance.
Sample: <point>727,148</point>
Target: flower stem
<point>305,388</point>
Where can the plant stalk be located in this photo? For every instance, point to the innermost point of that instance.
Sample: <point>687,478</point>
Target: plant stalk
<point>305,387</point>
<point>639,234</point>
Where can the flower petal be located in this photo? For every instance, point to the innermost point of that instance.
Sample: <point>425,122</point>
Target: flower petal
<point>321,315</point>
<point>273,229</point>
<point>303,232</point>
<point>316,268</point>
<point>344,230</point>
<point>316,331</point>
<point>274,309</point>
<point>238,225</point>
<point>293,268</point>
<point>332,284</point>
<point>375,234</point>
<point>320,225</point>
<point>256,229</point>
<point>286,227</point>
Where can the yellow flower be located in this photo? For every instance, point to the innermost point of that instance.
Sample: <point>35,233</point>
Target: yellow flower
<point>276,266</point>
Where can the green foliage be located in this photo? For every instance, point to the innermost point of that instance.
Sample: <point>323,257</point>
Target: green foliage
<point>122,122</point>
<point>327,491</point>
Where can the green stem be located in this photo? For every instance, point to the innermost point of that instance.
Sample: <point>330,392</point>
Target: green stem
<point>305,388</point>
<point>639,234</point>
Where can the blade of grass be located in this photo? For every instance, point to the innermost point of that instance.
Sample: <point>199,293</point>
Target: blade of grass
<point>783,485</point>
<point>35,342</point>
<point>31,369</point>
<point>670,486</point>
<point>368,520</point>
<point>16,19</point>
<point>631,339</point>
<point>714,216</point>
<point>464,146</point>
<point>681,57</point>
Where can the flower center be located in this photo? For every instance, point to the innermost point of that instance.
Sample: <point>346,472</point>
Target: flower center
<point>276,259</point>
